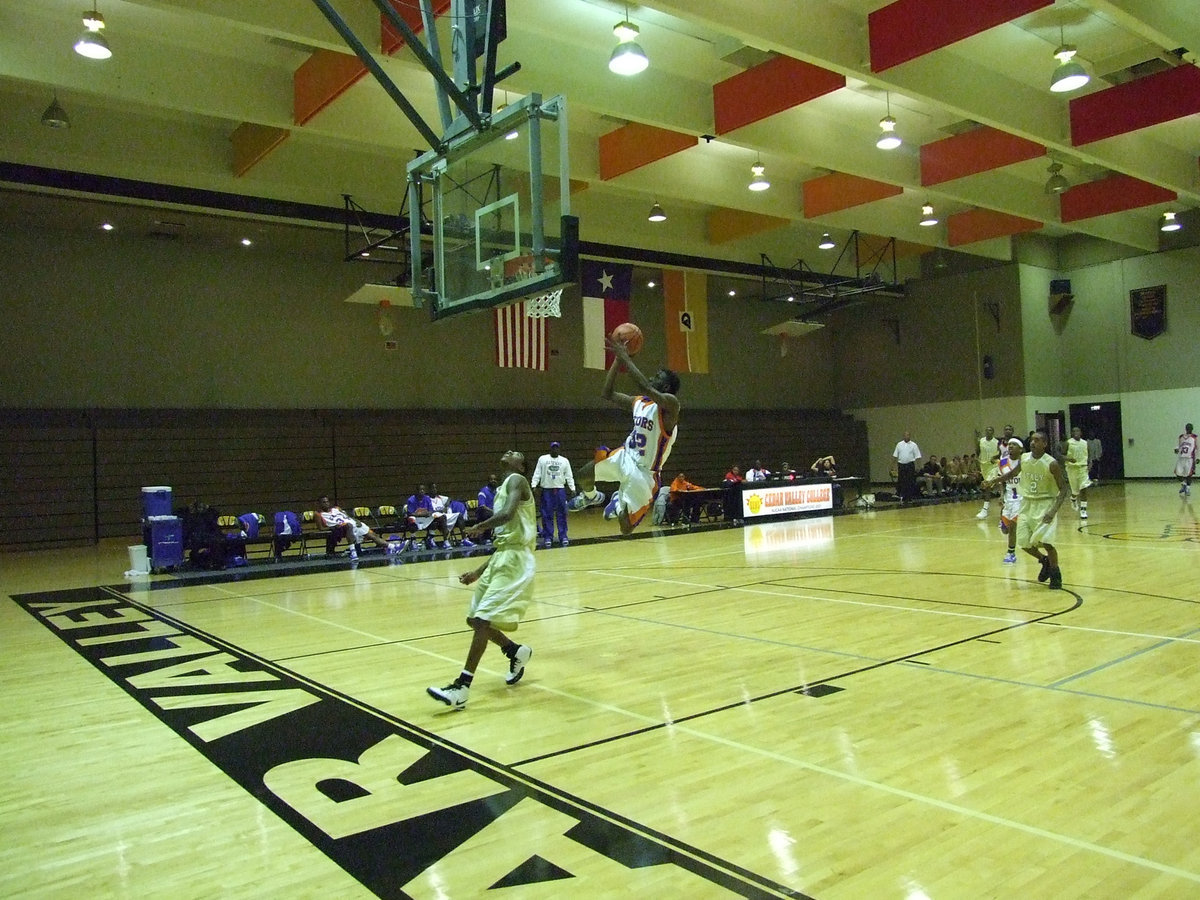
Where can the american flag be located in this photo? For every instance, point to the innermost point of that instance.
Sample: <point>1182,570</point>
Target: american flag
<point>520,340</point>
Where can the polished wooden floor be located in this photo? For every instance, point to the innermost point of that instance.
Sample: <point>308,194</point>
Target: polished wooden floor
<point>864,706</point>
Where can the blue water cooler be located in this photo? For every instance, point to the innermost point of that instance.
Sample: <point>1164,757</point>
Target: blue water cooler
<point>163,531</point>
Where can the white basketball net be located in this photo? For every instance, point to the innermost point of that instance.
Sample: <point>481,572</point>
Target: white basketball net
<point>544,306</point>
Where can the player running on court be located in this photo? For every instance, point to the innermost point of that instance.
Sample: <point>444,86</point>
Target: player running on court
<point>637,464</point>
<point>1041,476</point>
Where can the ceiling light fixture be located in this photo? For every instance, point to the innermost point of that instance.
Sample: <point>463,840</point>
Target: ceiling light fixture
<point>927,216</point>
<point>656,213</point>
<point>1169,222</point>
<point>888,139</point>
<point>759,181</point>
<point>1057,182</point>
<point>246,242</point>
<point>55,116</point>
<point>628,58</point>
<point>826,242</point>
<point>92,43</point>
<point>1069,75</point>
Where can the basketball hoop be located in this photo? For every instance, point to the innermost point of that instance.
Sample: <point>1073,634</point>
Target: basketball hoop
<point>545,305</point>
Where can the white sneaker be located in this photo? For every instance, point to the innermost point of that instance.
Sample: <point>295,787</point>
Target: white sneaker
<point>1083,514</point>
<point>353,553</point>
<point>516,664</point>
<point>982,514</point>
<point>453,695</point>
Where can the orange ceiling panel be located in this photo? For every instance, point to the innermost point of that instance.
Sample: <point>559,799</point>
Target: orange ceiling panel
<point>972,152</point>
<point>634,145</point>
<point>907,29</point>
<point>767,89</point>
<point>321,79</point>
<point>984,224</point>
<point>837,191</point>
<point>1116,193</point>
<point>1161,97</point>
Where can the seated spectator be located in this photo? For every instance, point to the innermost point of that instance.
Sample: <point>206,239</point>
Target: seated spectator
<point>341,526</point>
<point>443,506</point>
<point>422,517</point>
<point>930,478</point>
<point>786,472</point>
<point>758,472</point>
<point>952,474</point>
<point>679,506</point>
<point>825,467</point>
<point>733,495</point>
<point>485,501</point>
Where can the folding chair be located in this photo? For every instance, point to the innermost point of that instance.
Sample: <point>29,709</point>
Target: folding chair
<point>288,531</point>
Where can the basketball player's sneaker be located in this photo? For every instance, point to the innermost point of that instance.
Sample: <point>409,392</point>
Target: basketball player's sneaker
<point>516,663</point>
<point>610,511</point>
<point>583,501</point>
<point>1083,513</point>
<point>1044,574</point>
<point>1010,558</point>
<point>453,695</point>
<point>1056,579</point>
<point>982,514</point>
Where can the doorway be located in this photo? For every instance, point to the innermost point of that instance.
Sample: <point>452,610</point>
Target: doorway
<point>1102,421</point>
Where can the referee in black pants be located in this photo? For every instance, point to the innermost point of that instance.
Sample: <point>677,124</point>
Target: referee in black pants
<point>907,454</point>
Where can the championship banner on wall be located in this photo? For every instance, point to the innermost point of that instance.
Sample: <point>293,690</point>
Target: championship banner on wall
<point>1148,311</point>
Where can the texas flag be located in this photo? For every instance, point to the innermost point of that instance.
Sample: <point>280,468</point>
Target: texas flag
<point>606,289</point>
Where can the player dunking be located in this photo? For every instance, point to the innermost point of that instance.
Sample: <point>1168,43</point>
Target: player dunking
<point>638,463</point>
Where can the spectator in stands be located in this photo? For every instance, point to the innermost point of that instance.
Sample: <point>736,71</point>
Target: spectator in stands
<point>680,507</point>
<point>930,477</point>
<point>442,506</point>
<point>341,526</point>
<point>824,467</point>
<point>733,495</point>
<point>485,503</point>
<point>421,517</point>
<point>758,472</point>
<point>786,472</point>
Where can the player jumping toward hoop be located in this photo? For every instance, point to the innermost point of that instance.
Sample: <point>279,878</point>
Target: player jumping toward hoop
<point>637,464</point>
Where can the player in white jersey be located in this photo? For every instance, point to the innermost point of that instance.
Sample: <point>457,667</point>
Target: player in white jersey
<point>636,464</point>
<point>1040,475</point>
<point>503,584</point>
<point>1011,497</point>
<point>1077,470</point>
<point>989,458</point>
<point>1185,459</point>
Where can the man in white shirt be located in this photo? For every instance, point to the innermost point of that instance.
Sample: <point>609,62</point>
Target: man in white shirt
<point>907,454</point>
<point>758,472</point>
<point>552,478</point>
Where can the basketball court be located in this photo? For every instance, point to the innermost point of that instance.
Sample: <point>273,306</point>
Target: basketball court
<point>867,705</point>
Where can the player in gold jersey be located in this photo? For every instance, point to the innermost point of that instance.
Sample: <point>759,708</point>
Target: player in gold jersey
<point>1043,490</point>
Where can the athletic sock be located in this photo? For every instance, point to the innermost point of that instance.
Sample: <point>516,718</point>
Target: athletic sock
<point>986,504</point>
<point>511,650</point>
<point>465,678</point>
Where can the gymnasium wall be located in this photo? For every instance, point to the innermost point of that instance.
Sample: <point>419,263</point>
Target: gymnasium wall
<point>71,477</point>
<point>108,320</point>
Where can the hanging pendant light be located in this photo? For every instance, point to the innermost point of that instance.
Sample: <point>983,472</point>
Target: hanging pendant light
<point>656,213</point>
<point>1169,222</point>
<point>826,242</point>
<point>927,216</point>
<point>1068,75</point>
<point>758,181</point>
<point>55,116</point>
<point>888,139</point>
<point>628,57</point>
<point>92,43</point>
<point>1056,183</point>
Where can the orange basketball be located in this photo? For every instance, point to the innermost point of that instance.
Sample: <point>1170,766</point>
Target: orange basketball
<point>630,335</point>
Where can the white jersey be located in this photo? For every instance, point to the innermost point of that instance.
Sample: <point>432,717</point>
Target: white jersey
<point>649,443</point>
<point>1077,452</point>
